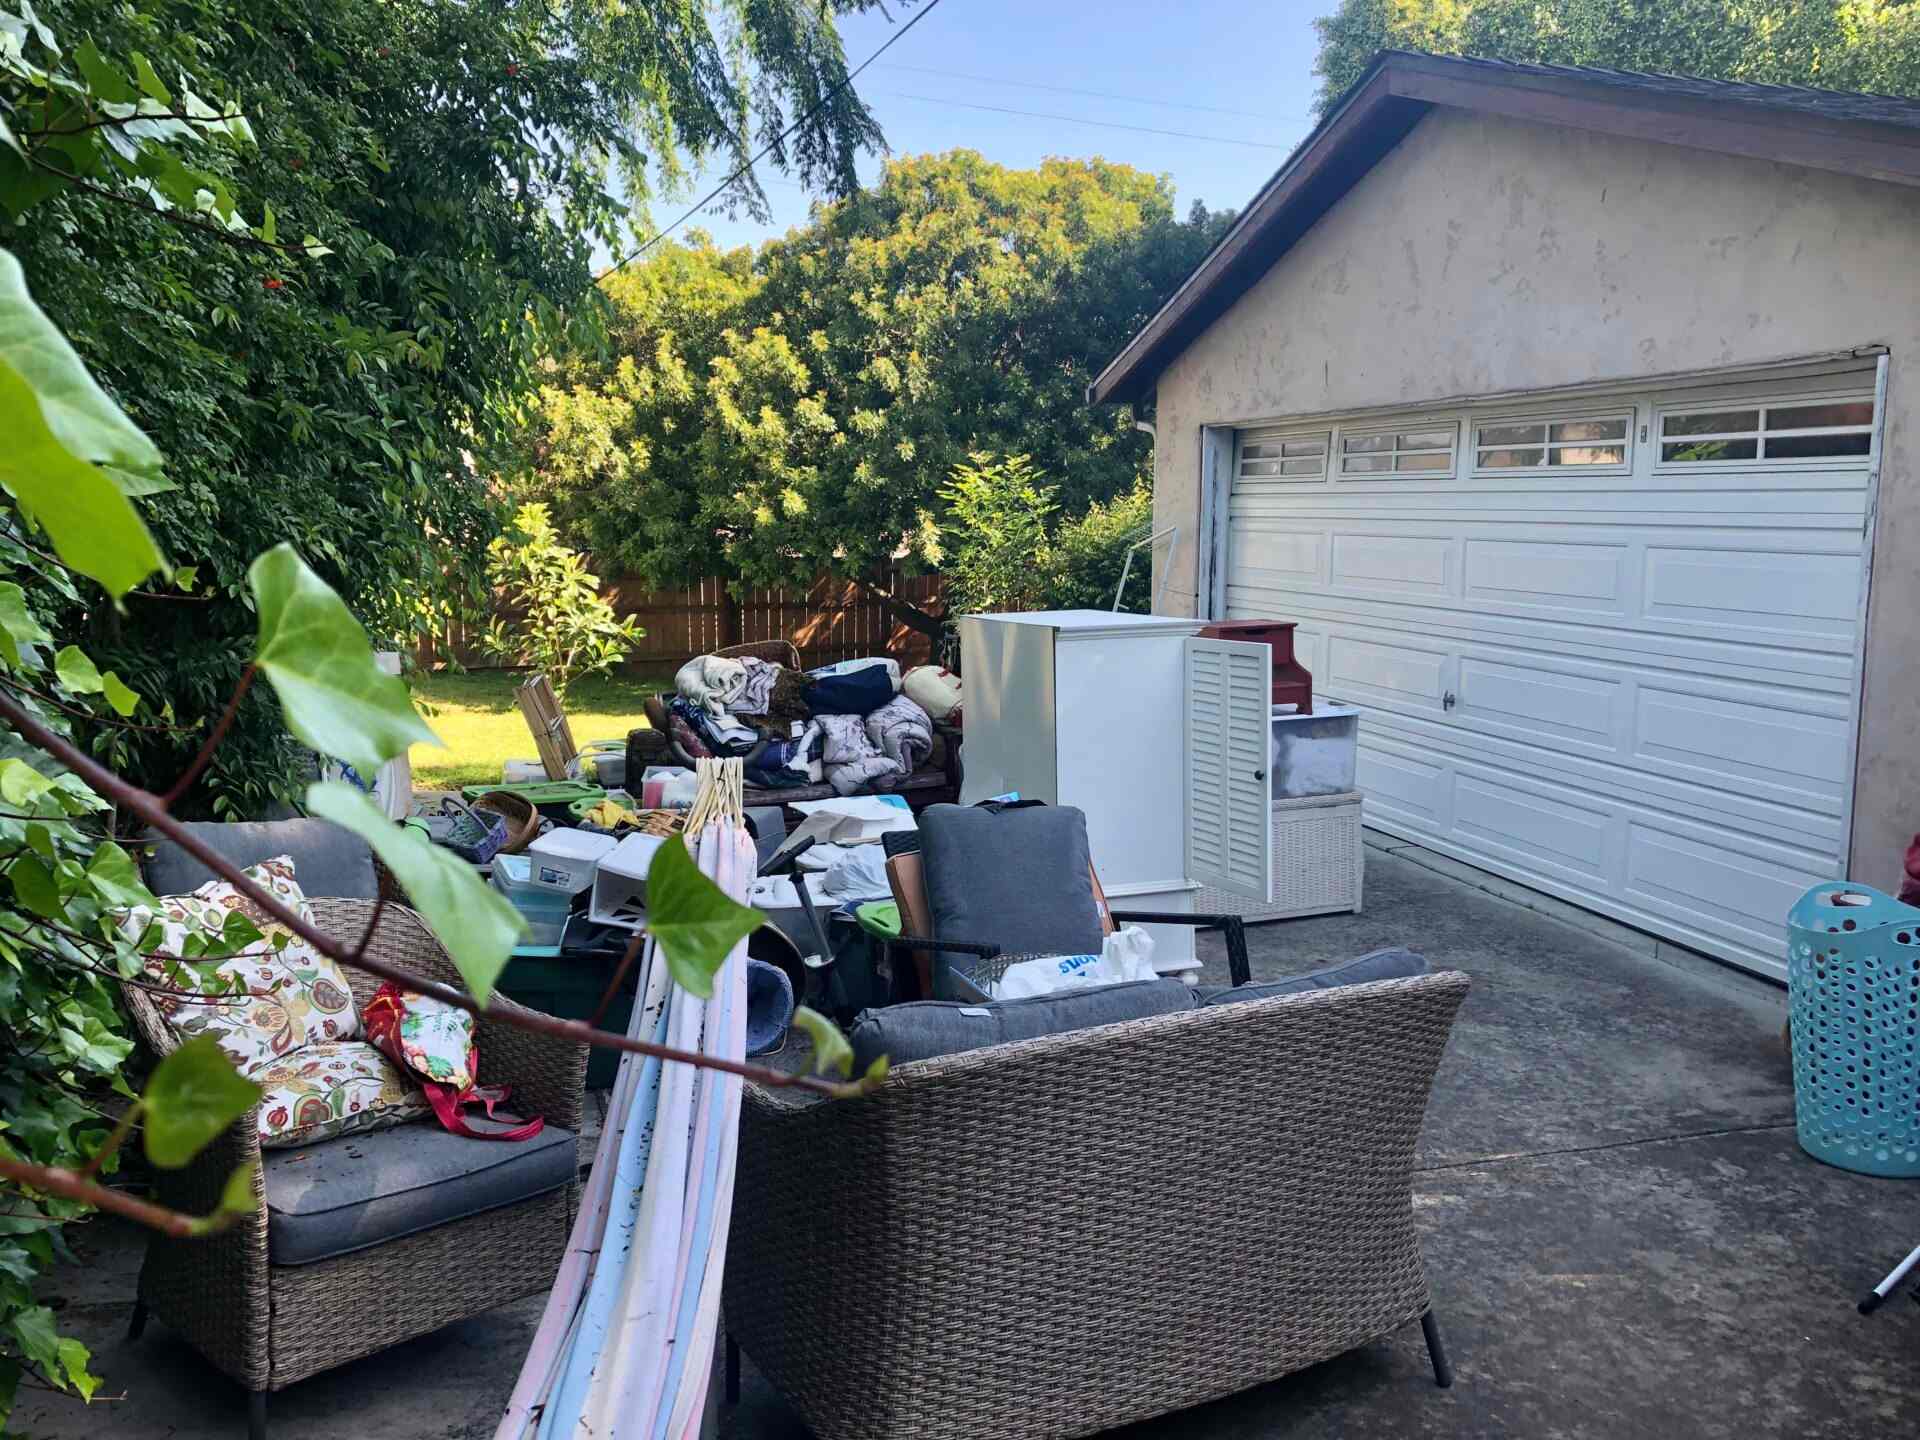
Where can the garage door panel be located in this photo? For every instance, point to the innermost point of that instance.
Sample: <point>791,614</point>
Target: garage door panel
<point>1533,827</point>
<point>1396,675</point>
<point>1539,574</point>
<point>1405,565</point>
<point>1532,701</point>
<point>1767,593</point>
<point>1800,753</point>
<point>1399,784</point>
<point>1279,554</point>
<point>1727,893</point>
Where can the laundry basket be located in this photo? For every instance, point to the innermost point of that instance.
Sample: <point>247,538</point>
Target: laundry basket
<point>1853,979</point>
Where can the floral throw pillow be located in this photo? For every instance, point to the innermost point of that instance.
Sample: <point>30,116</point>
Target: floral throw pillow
<point>263,1002</point>
<point>333,1088</point>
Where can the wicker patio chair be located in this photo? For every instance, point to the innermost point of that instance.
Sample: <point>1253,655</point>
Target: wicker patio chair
<point>1048,1238</point>
<point>269,1325</point>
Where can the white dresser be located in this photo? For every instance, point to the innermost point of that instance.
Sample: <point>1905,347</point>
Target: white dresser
<point>1161,737</point>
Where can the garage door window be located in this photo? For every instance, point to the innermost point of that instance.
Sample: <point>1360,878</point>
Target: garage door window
<point>1283,457</point>
<point>1551,444</point>
<point>1398,452</point>
<point>1802,430</point>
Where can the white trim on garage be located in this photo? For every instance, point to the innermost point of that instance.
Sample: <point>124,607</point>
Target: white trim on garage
<point>1632,683</point>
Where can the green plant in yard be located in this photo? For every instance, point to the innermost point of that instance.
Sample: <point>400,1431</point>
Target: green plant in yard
<point>999,556</point>
<point>561,624</point>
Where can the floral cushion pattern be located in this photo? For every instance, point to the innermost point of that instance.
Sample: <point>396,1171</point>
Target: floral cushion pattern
<point>437,1040</point>
<point>333,1088</point>
<point>264,1003</point>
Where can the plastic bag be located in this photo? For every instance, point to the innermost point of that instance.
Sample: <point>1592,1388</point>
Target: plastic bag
<point>1126,955</point>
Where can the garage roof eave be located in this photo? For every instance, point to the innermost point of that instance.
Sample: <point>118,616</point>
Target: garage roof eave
<point>1872,136</point>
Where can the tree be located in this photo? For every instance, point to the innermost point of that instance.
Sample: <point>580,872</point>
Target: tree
<point>1870,45</point>
<point>1001,557</point>
<point>462,163</point>
<point>768,416</point>
<point>564,627</point>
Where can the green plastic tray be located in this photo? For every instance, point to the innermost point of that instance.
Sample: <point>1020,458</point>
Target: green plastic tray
<point>543,792</point>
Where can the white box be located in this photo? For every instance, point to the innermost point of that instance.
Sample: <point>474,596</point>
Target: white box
<point>1318,862</point>
<point>1314,754</point>
<point>566,859</point>
<point>521,772</point>
<point>620,883</point>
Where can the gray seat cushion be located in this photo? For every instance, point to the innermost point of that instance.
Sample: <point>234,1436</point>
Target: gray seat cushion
<point>359,1190</point>
<point>1394,963</point>
<point>1018,879</point>
<point>923,1029</point>
<point>327,860</point>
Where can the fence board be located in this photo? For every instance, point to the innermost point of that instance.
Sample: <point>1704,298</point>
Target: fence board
<point>832,619</point>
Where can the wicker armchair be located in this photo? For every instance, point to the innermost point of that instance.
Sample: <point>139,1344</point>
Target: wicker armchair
<point>1048,1238</point>
<point>270,1325</point>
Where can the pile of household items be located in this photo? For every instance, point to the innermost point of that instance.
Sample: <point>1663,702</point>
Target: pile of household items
<point>859,727</point>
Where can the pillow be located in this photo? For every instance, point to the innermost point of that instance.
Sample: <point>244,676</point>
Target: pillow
<point>1016,878</point>
<point>1394,963</point>
<point>280,1010</point>
<point>923,1029</point>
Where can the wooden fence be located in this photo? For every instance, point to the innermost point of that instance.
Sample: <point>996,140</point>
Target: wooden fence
<point>829,620</point>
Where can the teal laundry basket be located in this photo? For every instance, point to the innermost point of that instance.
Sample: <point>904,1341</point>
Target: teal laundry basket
<point>1853,979</point>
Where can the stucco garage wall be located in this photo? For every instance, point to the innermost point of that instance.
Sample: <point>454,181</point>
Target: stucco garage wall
<point>1484,255</point>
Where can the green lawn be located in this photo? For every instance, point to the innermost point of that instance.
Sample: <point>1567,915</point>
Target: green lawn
<point>475,714</point>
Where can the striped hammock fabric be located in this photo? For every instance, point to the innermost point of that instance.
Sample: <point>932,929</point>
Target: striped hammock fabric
<point>625,1347</point>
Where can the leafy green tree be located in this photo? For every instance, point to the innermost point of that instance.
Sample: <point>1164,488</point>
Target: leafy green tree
<point>768,416</point>
<point>462,163</point>
<point>1871,45</point>
<point>1001,557</point>
<point>562,625</point>
<point>1090,552</point>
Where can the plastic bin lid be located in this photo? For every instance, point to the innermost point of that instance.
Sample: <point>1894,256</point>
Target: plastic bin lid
<point>631,857</point>
<point>572,845</point>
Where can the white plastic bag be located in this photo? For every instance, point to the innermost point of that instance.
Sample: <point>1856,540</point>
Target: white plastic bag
<point>1126,955</point>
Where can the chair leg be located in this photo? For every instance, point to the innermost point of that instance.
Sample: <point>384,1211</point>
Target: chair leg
<point>733,1371</point>
<point>256,1415</point>
<point>137,1323</point>
<point>1437,1351</point>
<point>1239,972</point>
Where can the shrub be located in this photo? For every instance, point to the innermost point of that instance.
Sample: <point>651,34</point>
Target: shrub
<point>563,625</point>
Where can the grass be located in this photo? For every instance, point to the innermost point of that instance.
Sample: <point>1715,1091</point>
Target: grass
<point>475,713</point>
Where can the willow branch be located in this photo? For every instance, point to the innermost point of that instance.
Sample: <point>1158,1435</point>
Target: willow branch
<point>151,809</point>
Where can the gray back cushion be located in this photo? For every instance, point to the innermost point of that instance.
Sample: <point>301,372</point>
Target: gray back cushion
<point>923,1029</point>
<point>1018,879</point>
<point>1395,963</point>
<point>327,860</point>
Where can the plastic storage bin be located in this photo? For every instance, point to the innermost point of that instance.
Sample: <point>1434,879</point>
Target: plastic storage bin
<point>1315,754</point>
<point>1853,981</point>
<point>541,906</point>
<point>566,859</point>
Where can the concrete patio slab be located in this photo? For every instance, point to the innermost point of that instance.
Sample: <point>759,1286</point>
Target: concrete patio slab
<point>1624,1238</point>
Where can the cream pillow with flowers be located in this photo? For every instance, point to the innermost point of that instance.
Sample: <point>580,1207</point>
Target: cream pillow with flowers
<point>219,965</point>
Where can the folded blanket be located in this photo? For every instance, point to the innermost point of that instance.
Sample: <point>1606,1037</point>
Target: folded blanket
<point>853,762</point>
<point>722,735</point>
<point>903,732</point>
<point>711,682</point>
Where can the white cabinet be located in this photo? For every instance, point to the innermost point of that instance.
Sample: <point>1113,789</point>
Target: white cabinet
<point>1160,736</point>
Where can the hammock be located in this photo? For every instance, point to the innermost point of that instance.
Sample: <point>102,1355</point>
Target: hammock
<point>625,1346</point>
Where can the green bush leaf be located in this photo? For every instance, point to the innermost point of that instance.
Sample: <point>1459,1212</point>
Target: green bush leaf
<point>831,1052</point>
<point>20,783</point>
<point>17,625</point>
<point>334,697</point>
<point>34,887</point>
<point>692,918</point>
<point>192,1096</point>
<point>123,699</point>
<point>115,879</point>
<point>77,671</point>
<point>470,918</point>
<point>73,1365</point>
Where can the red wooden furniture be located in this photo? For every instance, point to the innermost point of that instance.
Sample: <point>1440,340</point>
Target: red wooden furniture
<point>1292,684</point>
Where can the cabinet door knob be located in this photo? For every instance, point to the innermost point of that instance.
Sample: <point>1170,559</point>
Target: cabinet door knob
<point>1259,774</point>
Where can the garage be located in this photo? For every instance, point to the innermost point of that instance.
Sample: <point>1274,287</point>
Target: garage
<point>1607,644</point>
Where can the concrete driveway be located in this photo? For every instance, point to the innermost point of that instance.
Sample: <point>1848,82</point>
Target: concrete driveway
<point>1624,1238</point>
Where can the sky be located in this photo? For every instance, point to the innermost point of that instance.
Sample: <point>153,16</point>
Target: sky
<point>1238,73</point>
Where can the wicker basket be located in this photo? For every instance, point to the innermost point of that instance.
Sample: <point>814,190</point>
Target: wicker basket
<point>1317,862</point>
<point>523,820</point>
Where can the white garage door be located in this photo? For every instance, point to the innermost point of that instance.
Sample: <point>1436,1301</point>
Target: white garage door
<point>1604,644</point>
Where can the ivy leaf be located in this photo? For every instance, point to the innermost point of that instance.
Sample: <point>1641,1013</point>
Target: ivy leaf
<point>192,1096</point>
<point>468,916</point>
<point>34,886</point>
<point>149,80</point>
<point>333,695</point>
<point>107,82</point>
<point>116,880</point>
<point>73,1364</point>
<point>40,840</point>
<point>692,918</point>
<point>17,626</point>
<point>20,784</point>
<point>831,1052</point>
<point>58,424</point>
<point>186,577</point>
<point>123,699</point>
<point>77,671</point>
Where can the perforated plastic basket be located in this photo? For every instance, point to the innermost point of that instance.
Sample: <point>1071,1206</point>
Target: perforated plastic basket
<point>1853,978</point>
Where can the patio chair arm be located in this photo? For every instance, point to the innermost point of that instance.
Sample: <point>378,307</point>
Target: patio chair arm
<point>955,947</point>
<point>1232,927</point>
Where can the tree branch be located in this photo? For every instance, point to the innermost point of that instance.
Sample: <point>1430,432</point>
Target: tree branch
<point>173,217</point>
<point>108,121</point>
<point>149,808</point>
<point>219,733</point>
<point>83,1190</point>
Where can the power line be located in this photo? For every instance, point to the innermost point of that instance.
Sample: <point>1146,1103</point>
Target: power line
<point>1077,120</point>
<point>761,154</point>
<point>1074,90</point>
